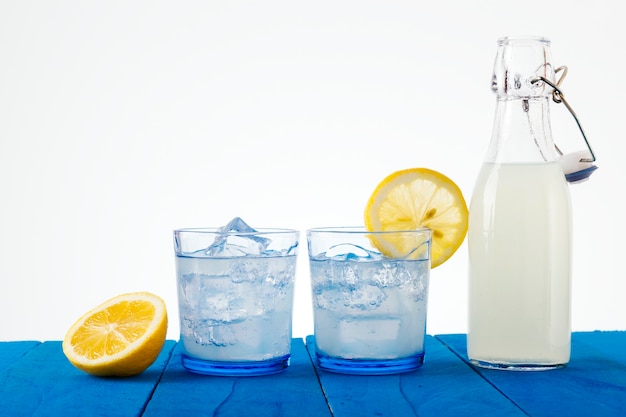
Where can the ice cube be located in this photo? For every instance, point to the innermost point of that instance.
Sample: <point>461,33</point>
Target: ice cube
<point>365,297</point>
<point>236,225</point>
<point>237,239</point>
<point>207,333</point>
<point>190,289</point>
<point>390,275</point>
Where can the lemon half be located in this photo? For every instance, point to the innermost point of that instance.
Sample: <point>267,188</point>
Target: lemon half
<point>121,337</point>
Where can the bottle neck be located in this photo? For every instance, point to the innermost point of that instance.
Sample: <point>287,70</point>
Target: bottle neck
<point>521,131</point>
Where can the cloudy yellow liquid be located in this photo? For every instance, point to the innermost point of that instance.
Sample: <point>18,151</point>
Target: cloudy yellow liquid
<point>519,267</point>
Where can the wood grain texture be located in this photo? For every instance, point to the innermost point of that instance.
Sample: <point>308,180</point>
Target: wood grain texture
<point>37,380</point>
<point>294,392</point>
<point>443,386</point>
<point>593,384</point>
<point>42,382</point>
<point>11,351</point>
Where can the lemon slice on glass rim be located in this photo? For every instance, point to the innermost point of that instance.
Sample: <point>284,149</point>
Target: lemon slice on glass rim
<point>417,198</point>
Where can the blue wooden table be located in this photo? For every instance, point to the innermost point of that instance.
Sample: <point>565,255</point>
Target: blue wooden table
<point>37,380</point>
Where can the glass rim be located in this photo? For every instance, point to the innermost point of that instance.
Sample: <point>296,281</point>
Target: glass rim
<point>363,230</point>
<point>218,231</point>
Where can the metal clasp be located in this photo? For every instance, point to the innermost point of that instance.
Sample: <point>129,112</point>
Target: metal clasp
<point>558,97</point>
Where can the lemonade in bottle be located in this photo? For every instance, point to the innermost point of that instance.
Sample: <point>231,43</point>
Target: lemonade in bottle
<point>519,234</point>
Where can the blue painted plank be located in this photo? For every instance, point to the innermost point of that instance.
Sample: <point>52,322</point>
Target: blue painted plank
<point>593,384</point>
<point>443,386</point>
<point>294,392</point>
<point>11,351</point>
<point>43,383</point>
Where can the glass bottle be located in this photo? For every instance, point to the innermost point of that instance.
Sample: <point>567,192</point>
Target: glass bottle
<point>519,234</point>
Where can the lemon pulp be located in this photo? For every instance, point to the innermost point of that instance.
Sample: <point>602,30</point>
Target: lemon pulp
<point>418,198</point>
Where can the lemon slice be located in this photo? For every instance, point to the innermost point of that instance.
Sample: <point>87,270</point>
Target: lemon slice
<point>121,337</point>
<point>417,198</point>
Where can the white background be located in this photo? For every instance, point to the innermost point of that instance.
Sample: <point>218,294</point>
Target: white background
<point>123,120</point>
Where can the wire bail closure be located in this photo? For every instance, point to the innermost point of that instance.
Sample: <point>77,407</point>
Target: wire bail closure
<point>579,173</point>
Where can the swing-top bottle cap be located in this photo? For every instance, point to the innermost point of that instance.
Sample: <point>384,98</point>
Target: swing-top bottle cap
<point>577,166</point>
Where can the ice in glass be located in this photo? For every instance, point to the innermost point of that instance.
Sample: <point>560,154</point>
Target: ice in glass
<point>235,296</point>
<point>369,309</point>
